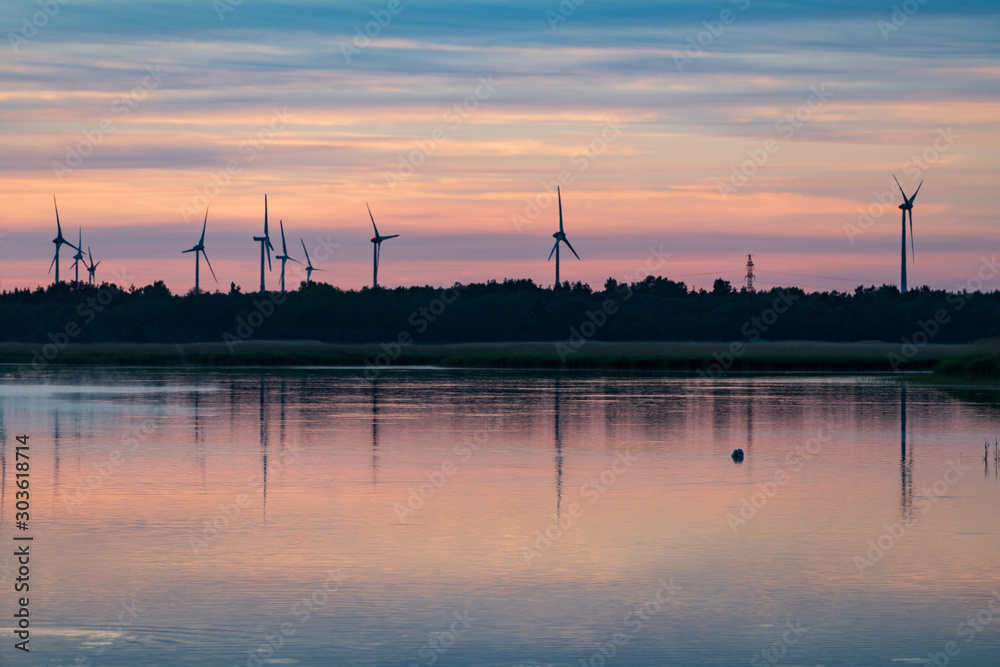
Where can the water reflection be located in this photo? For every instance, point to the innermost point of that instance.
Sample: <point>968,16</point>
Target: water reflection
<point>199,453</point>
<point>263,446</point>
<point>557,440</point>
<point>374,393</point>
<point>55,452</point>
<point>905,464</point>
<point>3,468</point>
<point>330,507</point>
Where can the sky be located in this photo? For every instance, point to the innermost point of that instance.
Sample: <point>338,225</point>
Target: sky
<point>683,136</point>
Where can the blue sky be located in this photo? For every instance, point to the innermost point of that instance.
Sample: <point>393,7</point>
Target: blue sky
<point>224,74</point>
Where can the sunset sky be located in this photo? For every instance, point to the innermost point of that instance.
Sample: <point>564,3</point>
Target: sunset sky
<point>452,119</point>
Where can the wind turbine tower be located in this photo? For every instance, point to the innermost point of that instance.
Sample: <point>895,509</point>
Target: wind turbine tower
<point>560,237</point>
<point>284,255</point>
<point>265,246</point>
<point>59,241</point>
<point>78,256</point>
<point>309,265</point>
<point>377,241</point>
<point>199,249</point>
<point>907,205</point>
<point>91,266</point>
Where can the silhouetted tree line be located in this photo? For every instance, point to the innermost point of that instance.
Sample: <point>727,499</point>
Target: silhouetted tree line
<point>655,309</point>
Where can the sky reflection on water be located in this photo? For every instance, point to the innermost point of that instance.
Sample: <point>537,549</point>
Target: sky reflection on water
<point>507,519</point>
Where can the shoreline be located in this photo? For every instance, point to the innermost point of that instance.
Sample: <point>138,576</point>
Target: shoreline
<point>708,357</point>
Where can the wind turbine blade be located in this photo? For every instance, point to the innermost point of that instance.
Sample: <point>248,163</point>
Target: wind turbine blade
<point>900,187</point>
<point>265,215</point>
<point>91,256</point>
<point>309,261</point>
<point>268,255</point>
<point>284,248</point>
<point>203,226</point>
<point>915,193</point>
<point>52,264</point>
<point>570,247</point>
<point>914,252</point>
<point>385,238</point>
<point>372,217</point>
<point>559,193</point>
<point>205,255</point>
<point>96,265</point>
<point>58,226</point>
<point>552,252</point>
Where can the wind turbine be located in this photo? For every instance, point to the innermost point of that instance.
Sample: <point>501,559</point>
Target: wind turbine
<point>560,237</point>
<point>907,205</point>
<point>59,241</point>
<point>91,266</point>
<point>198,250</point>
<point>265,244</point>
<point>284,255</point>
<point>78,256</point>
<point>377,240</point>
<point>309,265</point>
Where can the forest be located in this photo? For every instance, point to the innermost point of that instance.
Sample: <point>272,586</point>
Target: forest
<point>655,309</point>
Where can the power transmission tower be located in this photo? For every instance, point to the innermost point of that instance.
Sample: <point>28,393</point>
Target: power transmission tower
<point>750,276</point>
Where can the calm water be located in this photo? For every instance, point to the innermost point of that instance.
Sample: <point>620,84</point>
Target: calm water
<point>312,517</point>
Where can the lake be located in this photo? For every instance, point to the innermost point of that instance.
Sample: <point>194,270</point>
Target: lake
<point>316,517</point>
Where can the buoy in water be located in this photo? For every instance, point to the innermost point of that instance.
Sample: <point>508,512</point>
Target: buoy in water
<point>737,455</point>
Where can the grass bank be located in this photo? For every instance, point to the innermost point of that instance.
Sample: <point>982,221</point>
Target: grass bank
<point>715,358</point>
<point>976,367</point>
